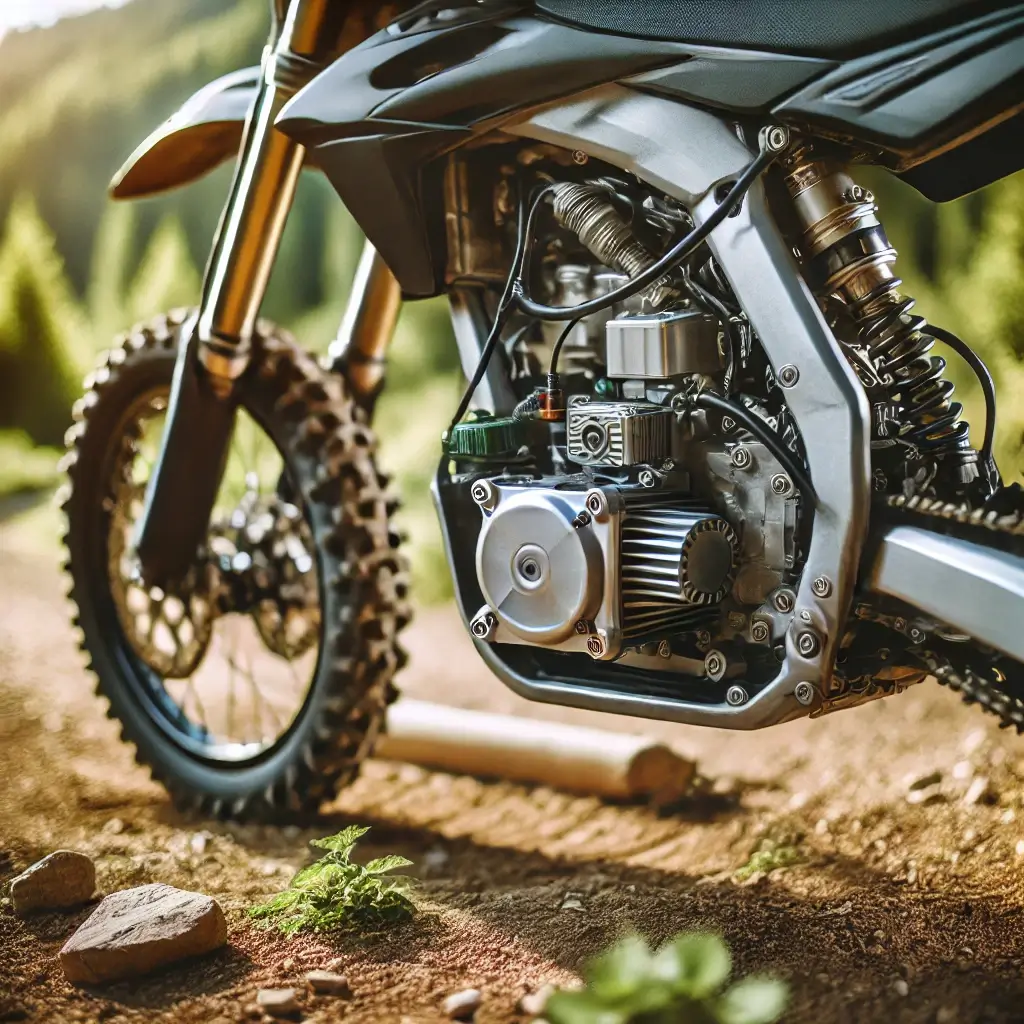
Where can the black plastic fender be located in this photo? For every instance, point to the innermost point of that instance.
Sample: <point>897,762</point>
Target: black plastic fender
<point>202,133</point>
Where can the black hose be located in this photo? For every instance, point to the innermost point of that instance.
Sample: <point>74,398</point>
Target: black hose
<point>764,433</point>
<point>505,305</point>
<point>712,304</point>
<point>557,350</point>
<point>981,371</point>
<point>661,266</point>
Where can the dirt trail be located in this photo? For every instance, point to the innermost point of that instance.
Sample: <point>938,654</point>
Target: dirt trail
<point>896,911</point>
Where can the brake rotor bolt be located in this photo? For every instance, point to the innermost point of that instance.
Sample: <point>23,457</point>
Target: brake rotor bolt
<point>741,457</point>
<point>808,644</point>
<point>788,375</point>
<point>804,693</point>
<point>759,632</point>
<point>822,587</point>
<point>736,696</point>
<point>715,665</point>
<point>783,601</point>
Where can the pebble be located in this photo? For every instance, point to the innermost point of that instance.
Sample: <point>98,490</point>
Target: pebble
<point>462,1005</point>
<point>572,901</point>
<point>1019,848</point>
<point>277,1002</point>
<point>328,983</point>
<point>901,988</point>
<point>925,781</point>
<point>336,965</point>
<point>114,827</point>
<point>962,770</point>
<point>63,879</point>
<point>977,792</point>
<point>533,1003</point>
<point>137,930</point>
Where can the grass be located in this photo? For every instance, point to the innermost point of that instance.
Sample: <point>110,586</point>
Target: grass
<point>336,894</point>
<point>24,467</point>
<point>770,857</point>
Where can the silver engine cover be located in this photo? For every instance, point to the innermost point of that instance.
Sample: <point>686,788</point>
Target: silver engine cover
<point>595,570</point>
<point>617,433</point>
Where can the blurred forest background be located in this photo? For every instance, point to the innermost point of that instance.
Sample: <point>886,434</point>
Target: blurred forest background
<point>75,269</point>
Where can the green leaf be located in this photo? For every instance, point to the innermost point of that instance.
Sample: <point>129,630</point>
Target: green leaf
<point>342,842</point>
<point>694,965</point>
<point>753,1001</point>
<point>581,1007</point>
<point>622,970</point>
<point>384,864</point>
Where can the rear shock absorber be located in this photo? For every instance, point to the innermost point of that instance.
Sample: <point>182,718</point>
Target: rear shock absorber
<point>846,253</point>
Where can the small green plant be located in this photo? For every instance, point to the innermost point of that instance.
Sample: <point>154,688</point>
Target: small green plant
<point>334,893</point>
<point>681,983</point>
<point>769,857</point>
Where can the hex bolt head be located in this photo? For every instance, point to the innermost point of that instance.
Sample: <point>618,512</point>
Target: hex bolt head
<point>665,649</point>
<point>741,457</point>
<point>647,478</point>
<point>804,693</point>
<point>728,424</point>
<point>483,626</point>
<point>582,627</point>
<point>715,665</point>
<point>597,504</point>
<point>783,601</point>
<point>596,645</point>
<point>703,636</point>
<point>759,632</point>
<point>736,696</point>
<point>485,494</point>
<point>788,375</point>
<point>808,644</point>
<point>822,587</point>
<point>781,484</point>
<point>776,138</point>
<point>579,157</point>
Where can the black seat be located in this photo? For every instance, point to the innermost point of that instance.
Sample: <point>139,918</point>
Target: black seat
<point>815,28</point>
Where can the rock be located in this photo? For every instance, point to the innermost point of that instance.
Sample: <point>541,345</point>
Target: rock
<point>63,879</point>
<point>533,1003</point>
<point>978,792</point>
<point>328,983</point>
<point>926,781</point>
<point>137,930</point>
<point>571,901</point>
<point>114,827</point>
<point>901,988</point>
<point>277,1002</point>
<point>927,796</point>
<point>336,965</point>
<point>462,1005</point>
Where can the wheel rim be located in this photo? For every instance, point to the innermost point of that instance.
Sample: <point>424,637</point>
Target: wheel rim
<point>225,664</point>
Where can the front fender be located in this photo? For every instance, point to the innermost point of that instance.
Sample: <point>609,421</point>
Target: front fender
<point>204,132</point>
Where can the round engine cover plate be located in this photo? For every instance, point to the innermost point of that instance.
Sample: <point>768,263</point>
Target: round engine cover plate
<point>538,573</point>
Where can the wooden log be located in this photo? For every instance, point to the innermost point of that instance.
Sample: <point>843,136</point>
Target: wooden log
<point>567,757</point>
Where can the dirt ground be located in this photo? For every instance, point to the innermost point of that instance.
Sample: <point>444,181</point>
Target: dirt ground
<point>899,909</point>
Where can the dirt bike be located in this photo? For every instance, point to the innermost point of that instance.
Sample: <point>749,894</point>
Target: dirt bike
<point>706,468</point>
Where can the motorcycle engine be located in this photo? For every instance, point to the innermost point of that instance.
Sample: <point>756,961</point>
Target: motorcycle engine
<point>633,525</point>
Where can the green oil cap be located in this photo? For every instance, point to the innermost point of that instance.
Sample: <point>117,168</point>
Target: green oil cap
<point>487,437</point>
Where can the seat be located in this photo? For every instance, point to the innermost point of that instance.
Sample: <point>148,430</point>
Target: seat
<point>815,28</point>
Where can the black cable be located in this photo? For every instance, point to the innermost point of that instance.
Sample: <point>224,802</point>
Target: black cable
<point>764,433</point>
<point>981,371</point>
<point>557,350</point>
<point>524,231</point>
<point>660,267</point>
<point>713,305</point>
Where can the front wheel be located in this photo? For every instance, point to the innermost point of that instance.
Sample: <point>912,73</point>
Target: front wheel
<point>258,685</point>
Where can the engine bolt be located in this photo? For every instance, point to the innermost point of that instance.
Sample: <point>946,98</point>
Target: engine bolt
<point>647,478</point>
<point>736,696</point>
<point>483,626</point>
<point>804,693</point>
<point>715,665</point>
<point>741,457</point>
<point>777,138</point>
<point>582,627</point>
<point>822,587</point>
<point>728,424</point>
<point>579,157</point>
<point>485,494</point>
<point>899,624</point>
<point>917,635</point>
<point>788,375</point>
<point>781,484</point>
<point>759,632</point>
<point>808,644</point>
<point>784,601</point>
<point>597,504</point>
<point>665,649</point>
<point>703,637</point>
<point>596,645</point>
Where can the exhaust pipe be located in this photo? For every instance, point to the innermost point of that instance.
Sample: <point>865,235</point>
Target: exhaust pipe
<point>976,590</point>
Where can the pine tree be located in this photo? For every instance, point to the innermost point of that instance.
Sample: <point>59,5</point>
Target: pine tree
<point>111,270</point>
<point>43,344</point>
<point>167,277</point>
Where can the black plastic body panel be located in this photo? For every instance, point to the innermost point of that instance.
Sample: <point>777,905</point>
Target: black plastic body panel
<point>913,101</point>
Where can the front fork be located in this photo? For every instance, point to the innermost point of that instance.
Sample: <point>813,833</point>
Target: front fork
<point>217,344</point>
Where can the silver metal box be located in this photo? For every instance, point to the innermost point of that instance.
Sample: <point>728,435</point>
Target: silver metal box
<point>617,433</point>
<point>661,345</point>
